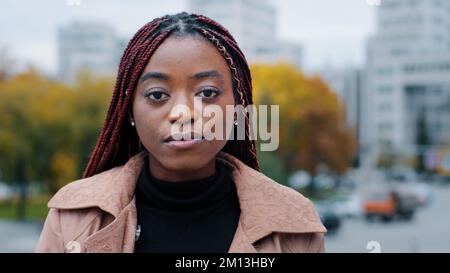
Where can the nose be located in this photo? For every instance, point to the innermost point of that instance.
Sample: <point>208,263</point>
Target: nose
<point>185,109</point>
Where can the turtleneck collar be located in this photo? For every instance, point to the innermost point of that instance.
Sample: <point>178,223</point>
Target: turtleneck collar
<point>184,196</point>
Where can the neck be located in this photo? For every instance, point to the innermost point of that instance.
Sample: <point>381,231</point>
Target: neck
<point>158,171</point>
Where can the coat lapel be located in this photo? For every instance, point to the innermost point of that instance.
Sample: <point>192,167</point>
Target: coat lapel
<point>117,236</point>
<point>241,243</point>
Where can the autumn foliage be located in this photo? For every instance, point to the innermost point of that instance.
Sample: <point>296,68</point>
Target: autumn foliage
<point>47,129</point>
<point>313,129</point>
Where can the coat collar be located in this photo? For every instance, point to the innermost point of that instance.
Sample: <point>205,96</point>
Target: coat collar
<point>111,190</point>
<point>266,206</point>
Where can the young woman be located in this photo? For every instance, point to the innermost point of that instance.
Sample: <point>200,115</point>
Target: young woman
<point>148,190</point>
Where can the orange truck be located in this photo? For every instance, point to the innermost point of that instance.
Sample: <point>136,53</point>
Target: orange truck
<point>388,205</point>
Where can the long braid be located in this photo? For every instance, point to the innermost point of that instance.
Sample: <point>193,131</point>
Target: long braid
<point>117,139</point>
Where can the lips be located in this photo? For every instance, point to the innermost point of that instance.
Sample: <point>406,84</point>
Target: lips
<point>184,137</point>
<point>184,141</point>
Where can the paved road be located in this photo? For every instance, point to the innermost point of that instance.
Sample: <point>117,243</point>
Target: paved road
<point>429,231</point>
<point>18,236</point>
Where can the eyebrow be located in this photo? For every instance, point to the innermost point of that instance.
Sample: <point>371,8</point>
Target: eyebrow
<point>208,74</point>
<point>154,75</point>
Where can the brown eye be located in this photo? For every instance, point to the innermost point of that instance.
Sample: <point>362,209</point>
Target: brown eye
<point>157,96</point>
<point>208,93</point>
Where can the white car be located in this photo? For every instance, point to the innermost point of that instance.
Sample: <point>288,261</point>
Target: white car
<point>350,206</point>
<point>5,191</point>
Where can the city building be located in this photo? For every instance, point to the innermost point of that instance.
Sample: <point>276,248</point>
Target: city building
<point>90,46</point>
<point>408,79</point>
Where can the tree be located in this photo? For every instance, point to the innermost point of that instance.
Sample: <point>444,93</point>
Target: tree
<point>48,128</point>
<point>313,129</point>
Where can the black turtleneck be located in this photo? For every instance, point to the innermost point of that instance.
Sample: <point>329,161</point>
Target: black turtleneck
<point>190,216</point>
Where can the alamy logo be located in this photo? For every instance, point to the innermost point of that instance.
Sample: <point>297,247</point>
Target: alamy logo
<point>374,247</point>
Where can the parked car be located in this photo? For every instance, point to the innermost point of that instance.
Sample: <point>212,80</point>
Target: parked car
<point>324,181</point>
<point>401,175</point>
<point>348,206</point>
<point>330,219</point>
<point>422,192</point>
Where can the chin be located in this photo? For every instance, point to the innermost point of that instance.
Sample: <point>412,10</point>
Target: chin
<point>186,162</point>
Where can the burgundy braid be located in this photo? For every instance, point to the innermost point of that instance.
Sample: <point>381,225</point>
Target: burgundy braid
<point>118,139</point>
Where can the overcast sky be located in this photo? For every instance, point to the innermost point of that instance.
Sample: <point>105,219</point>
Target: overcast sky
<point>332,32</point>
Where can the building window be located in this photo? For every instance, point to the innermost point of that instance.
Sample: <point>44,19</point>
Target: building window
<point>385,89</point>
<point>385,126</point>
<point>383,71</point>
<point>385,107</point>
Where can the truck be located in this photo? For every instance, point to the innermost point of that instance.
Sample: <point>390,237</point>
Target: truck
<point>390,204</point>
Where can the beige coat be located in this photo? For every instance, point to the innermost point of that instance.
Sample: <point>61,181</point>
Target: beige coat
<point>98,214</point>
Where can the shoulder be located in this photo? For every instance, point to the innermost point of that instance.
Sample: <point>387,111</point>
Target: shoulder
<point>289,210</point>
<point>75,213</point>
<point>86,192</point>
<point>261,190</point>
<point>298,228</point>
<point>110,190</point>
<point>267,206</point>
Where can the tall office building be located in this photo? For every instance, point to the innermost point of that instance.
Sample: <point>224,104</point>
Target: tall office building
<point>88,46</point>
<point>408,79</point>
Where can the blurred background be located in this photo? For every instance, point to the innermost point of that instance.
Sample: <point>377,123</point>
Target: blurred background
<point>363,88</point>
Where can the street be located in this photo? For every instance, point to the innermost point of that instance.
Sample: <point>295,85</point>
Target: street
<point>18,236</point>
<point>429,231</point>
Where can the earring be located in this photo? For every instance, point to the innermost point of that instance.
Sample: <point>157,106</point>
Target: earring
<point>132,123</point>
<point>236,122</point>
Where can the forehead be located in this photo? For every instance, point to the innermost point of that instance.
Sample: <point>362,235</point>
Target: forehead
<point>188,54</point>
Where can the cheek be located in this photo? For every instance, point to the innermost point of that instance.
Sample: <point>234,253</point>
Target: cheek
<point>146,131</point>
<point>147,121</point>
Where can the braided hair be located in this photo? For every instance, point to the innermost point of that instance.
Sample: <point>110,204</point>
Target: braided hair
<point>118,140</point>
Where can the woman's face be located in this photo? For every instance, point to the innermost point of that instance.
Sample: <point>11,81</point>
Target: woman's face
<point>181,69</point>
